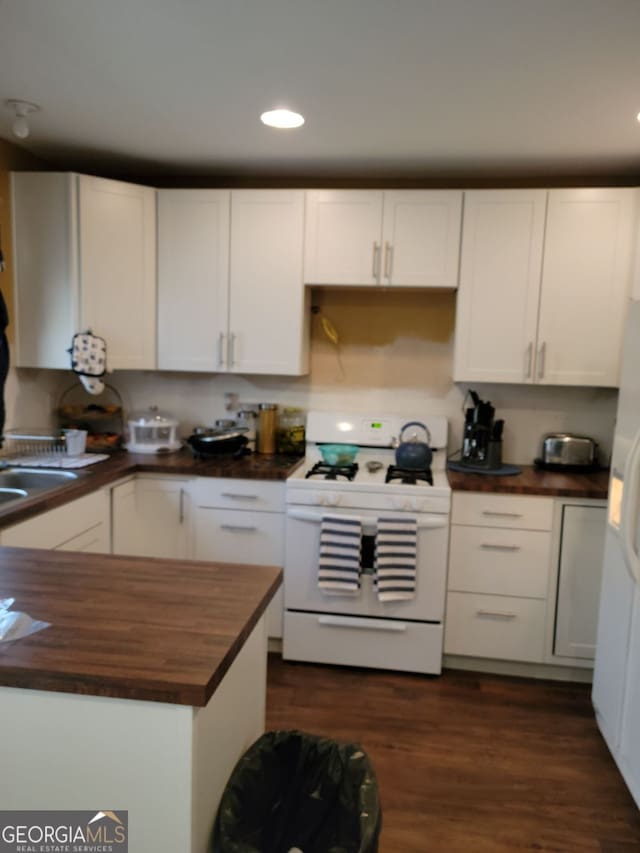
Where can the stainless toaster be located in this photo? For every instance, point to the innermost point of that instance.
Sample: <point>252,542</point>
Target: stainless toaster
<point>563,448</point>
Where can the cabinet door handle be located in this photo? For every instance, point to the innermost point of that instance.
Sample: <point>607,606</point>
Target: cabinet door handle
<point>221,338</point>
<point>232,349</point>
<point>377,251</point>
<point>529,362</point>
<point>181,506</point>
<point>388,259</point>
<point>243,527</point>
<point>489,546</point>
<point>542,355</point>
<point>501,514</point>
<point>495,614</point>
<point>237,496</point>
<point>362,624</point>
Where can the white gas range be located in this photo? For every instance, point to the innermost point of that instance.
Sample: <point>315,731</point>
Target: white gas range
<point>360,629</point>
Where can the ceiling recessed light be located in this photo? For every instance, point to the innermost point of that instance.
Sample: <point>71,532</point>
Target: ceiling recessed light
<point>282,118</point>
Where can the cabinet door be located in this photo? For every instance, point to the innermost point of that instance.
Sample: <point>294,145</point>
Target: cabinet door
<point>585,286</point>
<point>239,536</point>
<point>579,581</point>
<point>92,541</point>
<point>421,238</point>
<point>62,525</point>
<point>46,272</point>
<point>268,310</point>
<point>343,237</point>
<point>500,271</point>
<point>151,518</point>
<point>193,279</point>
<point>117,226</point>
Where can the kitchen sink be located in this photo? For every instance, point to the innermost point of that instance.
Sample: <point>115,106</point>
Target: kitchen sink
<point>7,495</point>
<point>30,480</point>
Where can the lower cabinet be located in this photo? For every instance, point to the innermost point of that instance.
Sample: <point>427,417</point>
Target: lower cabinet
<point>580,557</point>
<point>151,517</point>
<point>499,562</point>
<point>82,525</point>
<point>524,578</point>
<point>241,521</point>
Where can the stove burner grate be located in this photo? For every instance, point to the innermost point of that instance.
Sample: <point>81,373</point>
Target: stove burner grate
<point>409,476</point>
<point>332,472</point>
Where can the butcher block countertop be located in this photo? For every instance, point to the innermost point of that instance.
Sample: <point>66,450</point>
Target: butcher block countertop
<point>534,481</point>
<point>121,464</point>
<point>129,627</point>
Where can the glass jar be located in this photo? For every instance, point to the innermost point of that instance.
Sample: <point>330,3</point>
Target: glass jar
<point>290,432</point>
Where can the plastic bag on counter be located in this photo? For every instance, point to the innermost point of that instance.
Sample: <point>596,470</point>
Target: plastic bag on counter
<point>15,625</point>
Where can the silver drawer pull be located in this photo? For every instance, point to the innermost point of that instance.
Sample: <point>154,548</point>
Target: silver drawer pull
<point>362,624</point>
<point>243,527</point>
<point>490,547</point>
<point>496,614</point>
<point>236,496</point>
<point>502,514</point>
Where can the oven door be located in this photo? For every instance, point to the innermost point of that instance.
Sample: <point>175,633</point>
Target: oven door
<point>301,568</point>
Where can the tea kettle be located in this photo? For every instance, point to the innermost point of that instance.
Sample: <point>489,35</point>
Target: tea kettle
<point>411,452</point>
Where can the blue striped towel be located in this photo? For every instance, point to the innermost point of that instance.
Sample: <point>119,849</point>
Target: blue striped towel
<point>395,558</point>
<point>339,558</point>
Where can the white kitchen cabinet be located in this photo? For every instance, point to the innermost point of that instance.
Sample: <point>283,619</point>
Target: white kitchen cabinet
<point>241,521</point>
<point>544,284</point>
<point>579,581</point>
<point>151,517</point>
<point>405,238</point>
<point>85,258</point>
<point>81,525</point>
<point>231,296</point>
<point>269,311</point>
<point>193,278</point>
<point>499,563</point>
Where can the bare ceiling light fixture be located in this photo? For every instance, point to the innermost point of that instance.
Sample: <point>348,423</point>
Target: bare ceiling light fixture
<point>21,109</point>
<point>282,119</point>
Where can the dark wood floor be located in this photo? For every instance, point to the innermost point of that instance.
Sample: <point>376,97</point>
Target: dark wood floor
<point>469,763</point>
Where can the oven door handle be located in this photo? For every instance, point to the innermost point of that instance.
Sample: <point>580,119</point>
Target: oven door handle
<point>368,523</point>
<point>362,624</point>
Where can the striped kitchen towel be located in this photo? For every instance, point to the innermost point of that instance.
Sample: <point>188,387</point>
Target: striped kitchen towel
<point>339,558</point>
<point>395,558</point>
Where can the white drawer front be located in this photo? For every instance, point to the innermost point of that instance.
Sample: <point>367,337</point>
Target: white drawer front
<point>529,513</point>
<point>499,562</point>
<point>493,626</point>
<point>59,525</point>
<point>356,641</point>
<point>232,536</point>
<point>229,493</point>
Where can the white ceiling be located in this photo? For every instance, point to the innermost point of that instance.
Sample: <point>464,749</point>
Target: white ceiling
<point>413,88</point>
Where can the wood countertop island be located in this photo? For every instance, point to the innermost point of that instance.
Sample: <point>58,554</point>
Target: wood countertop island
<point>143,693</point>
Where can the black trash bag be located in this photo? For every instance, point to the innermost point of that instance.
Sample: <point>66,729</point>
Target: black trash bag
<point>295,790</point>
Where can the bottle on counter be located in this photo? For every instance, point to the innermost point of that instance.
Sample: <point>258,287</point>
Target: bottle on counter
<point>267,414</point>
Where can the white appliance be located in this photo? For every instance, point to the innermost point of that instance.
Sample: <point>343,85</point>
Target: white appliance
<point>359,630</point>
<point>616,684</point>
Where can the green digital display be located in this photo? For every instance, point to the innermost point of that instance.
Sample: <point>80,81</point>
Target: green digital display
<point>375,425</point>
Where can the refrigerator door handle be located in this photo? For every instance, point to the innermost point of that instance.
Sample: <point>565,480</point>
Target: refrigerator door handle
<point>629,511</point>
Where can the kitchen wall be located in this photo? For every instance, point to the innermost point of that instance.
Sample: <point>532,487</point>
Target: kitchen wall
<point>395,354</point>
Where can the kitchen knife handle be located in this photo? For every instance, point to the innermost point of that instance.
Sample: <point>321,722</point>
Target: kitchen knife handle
<point>388,259</point>
<point>232,349</point>
<point>377,251</point>
<point>529,362</point>
<point>542,353</point>
<point>221,338</point>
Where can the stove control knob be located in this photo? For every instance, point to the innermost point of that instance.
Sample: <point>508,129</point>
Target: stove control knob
<point>328,499</point>
<point>401,503</point>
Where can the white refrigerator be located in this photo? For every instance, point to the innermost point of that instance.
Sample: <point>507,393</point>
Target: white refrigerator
<point>616,683</point>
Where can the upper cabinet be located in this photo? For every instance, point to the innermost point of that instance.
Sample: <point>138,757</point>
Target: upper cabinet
<point>85,258</point>
<point>544,283</point>
<point>231,295</point>
<point>404,238</point>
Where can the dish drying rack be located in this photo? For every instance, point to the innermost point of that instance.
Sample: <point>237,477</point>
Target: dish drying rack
<point>36,448</point>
